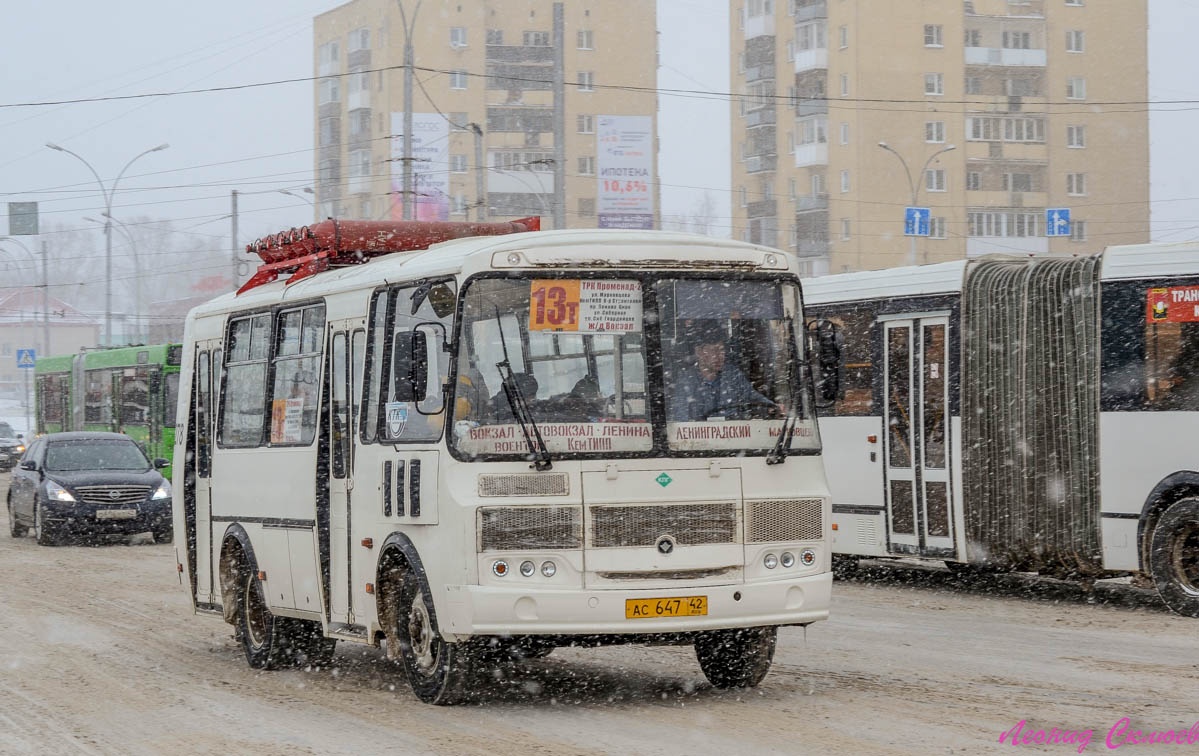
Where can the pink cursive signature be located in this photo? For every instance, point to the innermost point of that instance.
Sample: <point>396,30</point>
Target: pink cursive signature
<point>1121,734</point>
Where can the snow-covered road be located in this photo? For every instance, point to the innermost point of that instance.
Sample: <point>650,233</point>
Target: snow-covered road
<point>100,654</point>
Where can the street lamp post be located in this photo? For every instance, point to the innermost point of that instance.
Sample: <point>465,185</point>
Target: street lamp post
<point>914,187</point>
<point>108,195</point>
<point>138,270</point>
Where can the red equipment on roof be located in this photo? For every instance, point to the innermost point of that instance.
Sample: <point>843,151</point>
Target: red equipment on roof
<point>308,250</point>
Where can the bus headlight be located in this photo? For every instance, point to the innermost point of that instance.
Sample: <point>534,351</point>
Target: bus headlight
<point>527,568</point>
<point>788,559</point>
<point>770,561</point>
<point>162,492</point>
<point>548,569</point>
<point>55,492</point>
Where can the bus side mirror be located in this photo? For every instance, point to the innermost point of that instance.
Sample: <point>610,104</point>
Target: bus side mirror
<point>410,366</point>
<point>824,342</point>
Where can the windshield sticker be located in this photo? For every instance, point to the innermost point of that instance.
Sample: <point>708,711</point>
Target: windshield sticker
<point>397,418</point>
<point>585,306</point>
<point>1177,304</point>
<point>287,416</point>
<point>560,437</point>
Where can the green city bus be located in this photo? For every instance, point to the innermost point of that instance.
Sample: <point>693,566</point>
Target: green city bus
<point>131,390</point>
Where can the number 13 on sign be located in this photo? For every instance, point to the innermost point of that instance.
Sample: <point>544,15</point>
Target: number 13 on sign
<point>554,305</point>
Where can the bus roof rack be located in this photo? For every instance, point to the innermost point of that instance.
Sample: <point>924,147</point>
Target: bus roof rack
<point>308,250</point>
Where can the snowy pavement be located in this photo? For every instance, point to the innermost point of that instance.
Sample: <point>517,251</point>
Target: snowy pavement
<point>99,654</point>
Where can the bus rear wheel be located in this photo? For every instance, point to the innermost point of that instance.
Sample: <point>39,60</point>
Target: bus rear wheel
<point>438,671</point>
<point>736,658</point>
<point>1174,557</point>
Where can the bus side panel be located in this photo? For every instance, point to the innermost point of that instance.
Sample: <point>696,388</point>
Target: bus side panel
<point>856,483</point>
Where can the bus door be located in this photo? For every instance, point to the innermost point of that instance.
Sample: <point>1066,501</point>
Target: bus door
<point>204,394</point>
<point>345,355</point>
<point>916,420</point>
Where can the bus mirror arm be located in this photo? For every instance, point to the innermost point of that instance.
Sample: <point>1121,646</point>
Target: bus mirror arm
<point>825,341</point>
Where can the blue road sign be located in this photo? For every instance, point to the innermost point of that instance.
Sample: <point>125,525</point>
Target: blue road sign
<point>26,358</point>
<point>915,221</point>
<point>1057,221</point>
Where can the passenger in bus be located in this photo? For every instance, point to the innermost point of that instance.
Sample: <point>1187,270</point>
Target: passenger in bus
<point>711,386</point>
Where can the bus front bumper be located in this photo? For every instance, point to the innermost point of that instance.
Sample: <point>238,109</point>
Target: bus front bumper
<point>485,610</point>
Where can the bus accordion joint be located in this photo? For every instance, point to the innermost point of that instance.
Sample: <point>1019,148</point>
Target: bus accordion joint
<point>308,250</point>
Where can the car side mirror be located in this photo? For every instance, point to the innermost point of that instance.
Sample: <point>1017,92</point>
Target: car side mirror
<point>20,437</point>
<point>29,464</point>
<point>410,366</point>
<point>160,463</point>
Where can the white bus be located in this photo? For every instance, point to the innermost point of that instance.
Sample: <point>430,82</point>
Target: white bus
<point>503,444</point>
<point>1018,413</point>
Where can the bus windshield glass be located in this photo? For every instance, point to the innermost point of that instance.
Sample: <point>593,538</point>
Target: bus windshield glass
<point>725,358</point>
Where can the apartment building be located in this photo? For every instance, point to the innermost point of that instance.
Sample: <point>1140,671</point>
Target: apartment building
<point>989,112</point>
<point>484,83</point>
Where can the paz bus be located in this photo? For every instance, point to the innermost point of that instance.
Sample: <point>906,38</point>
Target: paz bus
<point>1018,413</point>
<point>454,440</point>
<point>132,390</point>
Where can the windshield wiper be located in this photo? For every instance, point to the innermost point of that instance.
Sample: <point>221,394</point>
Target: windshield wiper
<point>520,408</point>
<point>778,454</point>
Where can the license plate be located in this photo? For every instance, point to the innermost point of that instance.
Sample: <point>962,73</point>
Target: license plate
<point>683,606</point>
<point>116,514</point>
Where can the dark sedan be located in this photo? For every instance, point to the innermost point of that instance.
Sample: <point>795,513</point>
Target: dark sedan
<point>88,484</point>
<point>11,447</point>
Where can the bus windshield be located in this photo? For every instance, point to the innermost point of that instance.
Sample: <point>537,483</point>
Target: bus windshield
<point>722,371</point>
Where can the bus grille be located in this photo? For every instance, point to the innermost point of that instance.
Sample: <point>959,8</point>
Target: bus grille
<point>113,496</point>
<point>520,528</point>
<point>643,525</point>
<point>552,484</point>
<point>774,520</point>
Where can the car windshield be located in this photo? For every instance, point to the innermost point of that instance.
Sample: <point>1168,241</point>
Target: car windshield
<point>6,431</point>
<point>95,454</point>
<point>731,376</point>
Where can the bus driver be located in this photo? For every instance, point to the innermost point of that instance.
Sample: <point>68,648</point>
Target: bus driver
<point>710,387</point>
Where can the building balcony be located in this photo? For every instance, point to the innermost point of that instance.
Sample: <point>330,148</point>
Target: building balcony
<point>328,68</point>
<point>358,185</point>
<point>1006,199</point>
<point>1029,152</point>
<point>358,100</point>
<point>761,163</point>
<point>811,154</point>
<point>519,54</point>
<point>806,60</point>
<point>1002,56</point>
<point>758,73</point>
<point>811,248</point>
<point>811,11</point>
<point>762,209</point>
<point>762,117</point>
<point>811,107</point>
<point>810,202</point>
<point>520,182</point>
<point>759,26</point>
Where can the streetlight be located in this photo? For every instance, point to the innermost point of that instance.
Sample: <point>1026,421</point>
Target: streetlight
<point>108,195</point>
<point>306,189</point>
<point>137,264</point>
<point>915,188</point>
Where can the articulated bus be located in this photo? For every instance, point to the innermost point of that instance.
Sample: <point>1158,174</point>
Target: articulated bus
<point>1018,413</point>
<point>132,390</point>
<point>500,444</point>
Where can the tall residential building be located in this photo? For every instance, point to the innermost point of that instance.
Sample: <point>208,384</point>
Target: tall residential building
<point>484,73</point>
<point>991,112</point>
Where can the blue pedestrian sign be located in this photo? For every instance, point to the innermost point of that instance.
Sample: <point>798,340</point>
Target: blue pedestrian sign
<point>915,221</point>
<point>1057,221</point>
<point>26,358</point>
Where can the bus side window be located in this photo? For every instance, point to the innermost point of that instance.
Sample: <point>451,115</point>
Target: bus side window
<point>371,392</point>
<point>855,394</point>
<point>295,395</point>
<point>203,408</point>
<point>339,410</point>
<point>430,308</point>
<point>245,394</point>
<point>357,369</point>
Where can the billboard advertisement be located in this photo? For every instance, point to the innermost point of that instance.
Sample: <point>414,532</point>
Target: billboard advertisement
<point>624,171</point>
<point>430,166</point>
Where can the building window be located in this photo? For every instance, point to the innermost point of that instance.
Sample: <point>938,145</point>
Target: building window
<point>1017,40</point>
<point>536,39</point>
<point>1075,41</point>
<point>767,189</point>
<point>845,85</point>
<point>791,188</point>
<point>587,166</point>
<point>790,50</point>
<point>744,196</point>
<point>360,39</point>
<point>974,181</point>
<point>811,36</point>
<point>457,79</point>
<point>1004,223</point>
<point>1010,129</point>
<point>845,180</point>
<point>813,130</point>
<point>1078,230</point>
<point>1017,182</point>
<point>329,91</point>
<point>1076,88</point>
<point>936,227</point>
<point>1076,136</point>
<point>843,34</point>
<point>934,84</point>
<point>327,56</point>
<point>1077,3</point>
<point>934,179</point>
<point>974,38</point>
<point>586,124</point>
<point>974,85</point>
<point>586,39</point>
<point>495,36</point>
<point>932,35</point>
<point>1076,184</point>
<point>458,204</point>
<point>458,163</point>
<point>845,229</point>
<point>586,81</point>
<point>845,133</point>
<point>360,164</point>
<point>586,207</point>
<point>457,36</point>
<point>934,131</point>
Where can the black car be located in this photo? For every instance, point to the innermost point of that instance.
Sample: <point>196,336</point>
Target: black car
<point>88,484</point>
<point>11,447</point>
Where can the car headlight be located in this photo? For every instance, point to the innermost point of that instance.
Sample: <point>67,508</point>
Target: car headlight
<point>19,449</point>
<point>163,492</point>
<point>55,492</point>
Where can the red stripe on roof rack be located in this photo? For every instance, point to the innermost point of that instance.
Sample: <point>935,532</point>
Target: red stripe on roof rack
<point>308,250</point>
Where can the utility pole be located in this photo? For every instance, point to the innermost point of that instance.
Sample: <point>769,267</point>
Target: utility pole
<point>480,191</point>
<point>559,85</point>
<point>46,298</point>
<point>234,239</point>
<point>409,195</point>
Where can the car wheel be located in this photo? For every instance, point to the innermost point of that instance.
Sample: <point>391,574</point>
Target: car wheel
<point>264,638</point>
<point>736,658</point>
<point>43,532</point>
<point>15,529</point>
<point>1174,557</point>
<point>437,670</point>
<point>163,536</point>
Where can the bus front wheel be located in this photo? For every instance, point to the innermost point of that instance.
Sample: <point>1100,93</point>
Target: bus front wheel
<point>736,658</point>
<point>1174,557</point>
<point>437,670</point>
<point>264,637</point>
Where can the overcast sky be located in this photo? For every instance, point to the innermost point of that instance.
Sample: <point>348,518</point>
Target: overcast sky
<point>260,140</point>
